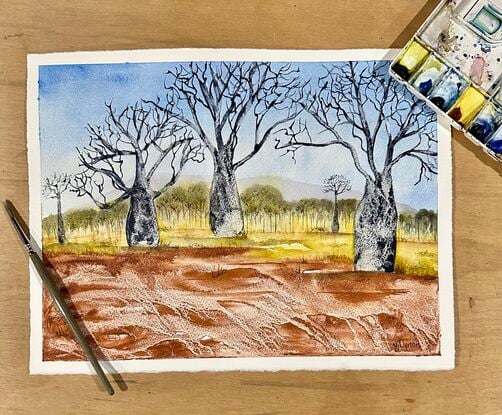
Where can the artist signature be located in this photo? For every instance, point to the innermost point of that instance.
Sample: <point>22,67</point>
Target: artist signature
<point>402,346</point>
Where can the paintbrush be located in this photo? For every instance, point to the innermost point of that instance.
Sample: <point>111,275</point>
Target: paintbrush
<point>22,230</point>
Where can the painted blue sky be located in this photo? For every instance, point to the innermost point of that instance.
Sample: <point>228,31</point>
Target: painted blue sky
<point>71,96</point>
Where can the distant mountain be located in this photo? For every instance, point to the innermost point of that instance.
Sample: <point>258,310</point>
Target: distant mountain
<point>294,190</point>
<point>291,189</point>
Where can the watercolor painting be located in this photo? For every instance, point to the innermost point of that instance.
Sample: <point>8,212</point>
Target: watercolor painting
<point>239,206</point>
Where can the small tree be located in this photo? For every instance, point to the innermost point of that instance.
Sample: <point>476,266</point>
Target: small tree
<point>426,223</point>
<point>347,211</point>
<point>198,200</point>
<point>313,210</point>
<point>336,184</point>
<point>405,225</point>
<point>263,201</point>
<point>142,136</point>
<point>52,188</point>
<point>50,225</point>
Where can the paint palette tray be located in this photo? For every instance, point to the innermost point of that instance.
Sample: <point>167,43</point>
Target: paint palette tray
<point>454,62</point>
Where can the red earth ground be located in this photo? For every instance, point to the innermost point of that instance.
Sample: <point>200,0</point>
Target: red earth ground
<point>216,302</point>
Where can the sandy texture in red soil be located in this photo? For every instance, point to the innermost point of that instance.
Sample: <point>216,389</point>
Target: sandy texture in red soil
<point>215,302</point>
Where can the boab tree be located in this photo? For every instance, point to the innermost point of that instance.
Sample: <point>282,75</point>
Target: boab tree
<point>52,188</point>
<point>140,139</point>
<point>358,107</point>
<point>227,103</point>
<point>336,184</point>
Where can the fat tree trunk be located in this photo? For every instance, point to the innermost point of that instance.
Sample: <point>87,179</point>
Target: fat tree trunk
<point>335,225</point>
<point>225,218</point>
<point>61,232</point>
<point>141,225</point>
<point>375,229</point>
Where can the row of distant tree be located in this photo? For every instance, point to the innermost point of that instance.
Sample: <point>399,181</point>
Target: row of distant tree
<point>184,207</point>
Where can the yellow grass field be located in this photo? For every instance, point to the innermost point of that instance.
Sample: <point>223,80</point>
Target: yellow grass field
<point>413,258</point>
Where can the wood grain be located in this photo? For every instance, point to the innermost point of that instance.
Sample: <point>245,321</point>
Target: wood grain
<point>57,25</point>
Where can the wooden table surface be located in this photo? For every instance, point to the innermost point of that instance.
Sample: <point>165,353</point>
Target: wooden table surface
<point>474,387</point>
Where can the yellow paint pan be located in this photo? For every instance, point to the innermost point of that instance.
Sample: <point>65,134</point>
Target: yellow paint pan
<point>467,106</point>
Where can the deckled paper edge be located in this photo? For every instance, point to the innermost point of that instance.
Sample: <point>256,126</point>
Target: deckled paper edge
<point>444,361</point>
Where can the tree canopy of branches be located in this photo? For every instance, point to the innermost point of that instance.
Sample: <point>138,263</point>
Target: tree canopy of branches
<point>146,137</point>
<point>357,106</point>
<point>52,188</point>
<point>337,184</point>
<point>227,103</point>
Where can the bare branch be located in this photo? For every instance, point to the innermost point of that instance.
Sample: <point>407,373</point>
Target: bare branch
<point>231,94</point>
<point>88,183</point>
<point>53,186</point>
<point>141,132</point>
<point>294,142</point>
<point>386,122</point>
<point>189,150</point>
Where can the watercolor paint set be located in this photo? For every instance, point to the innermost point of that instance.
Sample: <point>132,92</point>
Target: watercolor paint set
<point>454,62</point>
